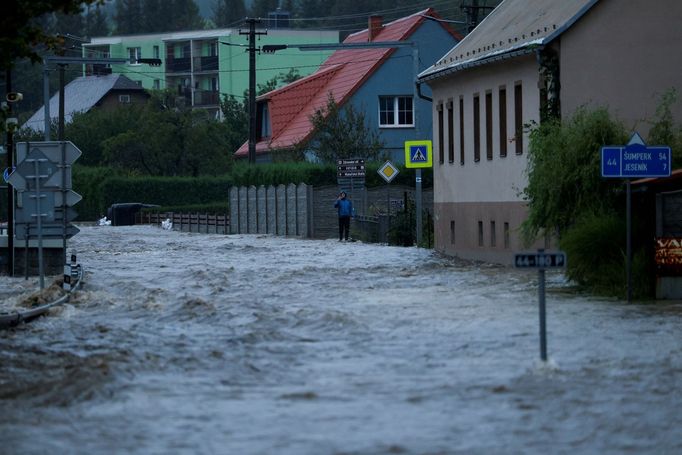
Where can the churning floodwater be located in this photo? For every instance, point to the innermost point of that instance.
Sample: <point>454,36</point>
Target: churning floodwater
<point>247,344</point>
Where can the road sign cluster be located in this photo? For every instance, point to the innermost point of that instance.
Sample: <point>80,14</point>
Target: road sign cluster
<point>350,168</point>
<point>42,179</point>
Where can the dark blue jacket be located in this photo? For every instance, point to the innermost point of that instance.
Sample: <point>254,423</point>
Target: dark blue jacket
<point>345,207</point>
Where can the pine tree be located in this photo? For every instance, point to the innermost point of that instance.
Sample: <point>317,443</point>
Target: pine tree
<point>155,17</point>
<point>227,13</point>
<point>185,15</point>
<point>261,8</point>
<point>129,18</point>
<point>96,22</point>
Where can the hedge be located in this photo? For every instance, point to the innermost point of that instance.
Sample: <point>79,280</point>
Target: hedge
<point>102,187</point>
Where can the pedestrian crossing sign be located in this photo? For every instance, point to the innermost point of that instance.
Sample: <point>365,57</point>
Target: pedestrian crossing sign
<point>418,154</point>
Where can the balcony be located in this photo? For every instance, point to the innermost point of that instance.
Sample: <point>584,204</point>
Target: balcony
<point>206,63</point>
<point>178,65</point>
<point>206,98</point>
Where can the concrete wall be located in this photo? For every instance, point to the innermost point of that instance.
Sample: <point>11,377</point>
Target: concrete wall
<point>279,210</point>
<point>624,55</point>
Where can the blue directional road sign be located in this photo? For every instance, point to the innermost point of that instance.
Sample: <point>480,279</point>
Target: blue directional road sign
<point>636,159</point>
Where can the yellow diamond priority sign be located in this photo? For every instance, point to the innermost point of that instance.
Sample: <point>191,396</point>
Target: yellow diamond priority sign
<point>388,171</point>
<point>418,154</point>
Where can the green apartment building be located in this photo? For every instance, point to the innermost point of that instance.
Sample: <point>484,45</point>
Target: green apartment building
<point>201,66</point>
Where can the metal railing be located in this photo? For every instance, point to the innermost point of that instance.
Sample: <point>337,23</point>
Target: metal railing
<point>188,222</point>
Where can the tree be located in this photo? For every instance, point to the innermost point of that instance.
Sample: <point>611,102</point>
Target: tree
<point>563,171</point>
<point>155,20</point>
<point>236,119</point>
<point>227,13</point>
<point>261,8</point>
<point>183,15</point>
<point>129,17</point>
<point>96,22</point>
<point>22,35</point>
<point>343,133</point>
<point>664,131</point>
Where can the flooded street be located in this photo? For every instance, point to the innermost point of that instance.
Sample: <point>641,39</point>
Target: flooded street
<point>212,344</point>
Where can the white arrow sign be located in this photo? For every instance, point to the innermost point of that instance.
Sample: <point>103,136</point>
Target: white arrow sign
<point>17,181</point>
<point>51,149</point>
<point>72,198</point>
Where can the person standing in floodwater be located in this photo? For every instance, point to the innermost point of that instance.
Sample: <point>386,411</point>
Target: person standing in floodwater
<point>345,210</point>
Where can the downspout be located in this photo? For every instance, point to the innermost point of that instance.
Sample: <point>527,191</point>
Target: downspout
<point>549,83</point>
<point>420,94</point>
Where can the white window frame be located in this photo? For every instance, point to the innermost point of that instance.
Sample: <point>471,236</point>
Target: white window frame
<point>396,111</point>
<point>124,99</point>
<point>134,54</point>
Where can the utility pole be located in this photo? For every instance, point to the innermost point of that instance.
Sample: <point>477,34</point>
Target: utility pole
<point>252,49</point>
<point>472,13</point>
<point>10,189</point>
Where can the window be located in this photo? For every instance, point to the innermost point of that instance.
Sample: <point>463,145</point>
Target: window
<point>441,151</point>
<point>155,51</point>
<point>157,84</point>
<point>396,111</point>
<point>502,102</point>
<point>489,126</point>
<point>461,130</point>
<point>452,232</point>
<point>451,133</point>
<point>134,54</point>
<point>506,235</point>
<point>493,234</point>
<point>480,233</point>
<point>518,118</point>
<point>264,120</point>
<point>125,99</point>
<point>477,128</point>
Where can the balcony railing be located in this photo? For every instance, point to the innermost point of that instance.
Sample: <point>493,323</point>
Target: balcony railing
<point>206,97</point>
<point>178,65</point>
<point>206,63</point>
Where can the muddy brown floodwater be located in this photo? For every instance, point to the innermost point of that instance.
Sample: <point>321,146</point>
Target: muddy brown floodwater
<point>211,344</point>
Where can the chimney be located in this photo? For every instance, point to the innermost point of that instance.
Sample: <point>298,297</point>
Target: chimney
<point>374,27</point>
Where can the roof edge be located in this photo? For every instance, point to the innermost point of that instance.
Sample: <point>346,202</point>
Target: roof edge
<point>568,24</point>
<point>517,52</point>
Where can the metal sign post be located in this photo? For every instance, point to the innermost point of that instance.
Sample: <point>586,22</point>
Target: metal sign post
<point>388,172</point>
<point>418,155</point>
<point>635,159</point>
<point>541,261</point>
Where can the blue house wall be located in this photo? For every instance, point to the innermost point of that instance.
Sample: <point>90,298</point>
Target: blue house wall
<point>396,78</point>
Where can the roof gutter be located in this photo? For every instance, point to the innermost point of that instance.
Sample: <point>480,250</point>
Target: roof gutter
<point>484,61</point>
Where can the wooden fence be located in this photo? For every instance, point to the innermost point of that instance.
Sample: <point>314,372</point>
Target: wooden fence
<point>188,222</point>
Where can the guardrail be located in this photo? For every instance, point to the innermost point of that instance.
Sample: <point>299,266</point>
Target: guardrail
<point>188,222</point>
<point>12,319</point>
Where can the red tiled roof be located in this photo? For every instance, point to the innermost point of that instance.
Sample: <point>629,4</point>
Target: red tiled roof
<point>291,107</point>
